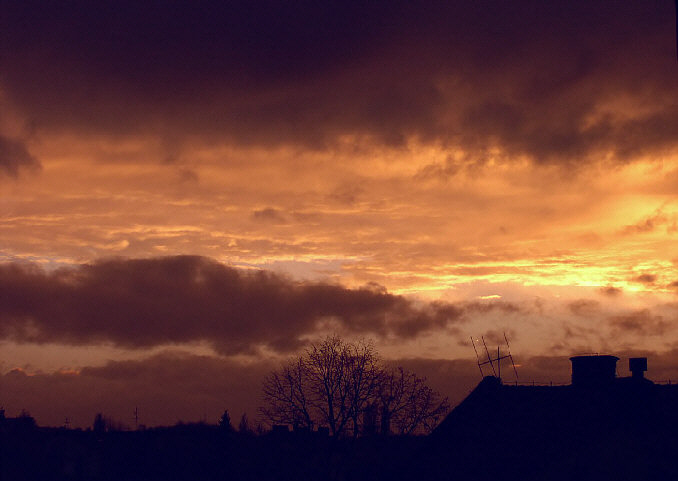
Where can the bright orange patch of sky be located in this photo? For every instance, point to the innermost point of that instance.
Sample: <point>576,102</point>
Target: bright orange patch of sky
<point>510,232</point>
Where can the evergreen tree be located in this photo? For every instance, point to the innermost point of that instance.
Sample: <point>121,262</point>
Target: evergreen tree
<point>225,421</point>
<point>244,425</point>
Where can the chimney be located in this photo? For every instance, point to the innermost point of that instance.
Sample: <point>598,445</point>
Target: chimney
<point>593,371</point>
<point>637,366</point>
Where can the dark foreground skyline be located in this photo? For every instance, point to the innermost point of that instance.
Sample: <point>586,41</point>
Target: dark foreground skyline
<point>177,387</point>
<point>192,193</point>
<point>601,426</point>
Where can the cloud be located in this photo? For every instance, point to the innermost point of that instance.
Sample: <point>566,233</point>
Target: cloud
<point>165,388</point>
<point>15,156</point>
<point>269,214</point>
<point>176,385</point>
<point>137,303</point>
<point>187,175</point>
<point>611,291</point>
<point>640,322</point>
<point>584,307</point>
<point>347,193</point>
<point>652,222</point>
<point>645,278</point>
<point>556,83</point>
<point>496,338</point>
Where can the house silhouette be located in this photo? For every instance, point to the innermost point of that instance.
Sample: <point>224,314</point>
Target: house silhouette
<point>600,426</point>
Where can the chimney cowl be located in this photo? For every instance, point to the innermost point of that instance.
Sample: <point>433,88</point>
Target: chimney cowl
<point>637,366</point>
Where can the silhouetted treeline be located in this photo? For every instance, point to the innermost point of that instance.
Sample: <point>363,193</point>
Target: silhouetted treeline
<point>211,452</point>
<point>196,452</point>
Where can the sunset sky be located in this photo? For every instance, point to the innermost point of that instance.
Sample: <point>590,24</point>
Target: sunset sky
<point>190,194</point>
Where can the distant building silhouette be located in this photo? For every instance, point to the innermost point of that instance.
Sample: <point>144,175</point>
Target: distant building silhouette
<point>23,422</point>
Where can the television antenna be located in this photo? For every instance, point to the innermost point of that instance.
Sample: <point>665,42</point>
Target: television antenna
<point>494,362</point>
<point>136,418</point>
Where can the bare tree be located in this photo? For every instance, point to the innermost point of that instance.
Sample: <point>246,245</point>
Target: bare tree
<point>343,378</point>
<point>342,386</point>
<point>285,395</point>
<point>408,404</point>
<point>364,379</point>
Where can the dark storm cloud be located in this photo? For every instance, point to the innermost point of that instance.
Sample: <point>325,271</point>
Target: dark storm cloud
<point>15,156</point>
<point>544,79</point>
<point>146,302</point>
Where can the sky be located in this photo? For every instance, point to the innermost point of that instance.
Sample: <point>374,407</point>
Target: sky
<point>192,192</point>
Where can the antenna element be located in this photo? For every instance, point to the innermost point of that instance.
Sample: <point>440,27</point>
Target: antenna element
<point>491,361</point>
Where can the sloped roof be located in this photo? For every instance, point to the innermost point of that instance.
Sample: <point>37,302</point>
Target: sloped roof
<point>626,429</point>
<point>627,403</point>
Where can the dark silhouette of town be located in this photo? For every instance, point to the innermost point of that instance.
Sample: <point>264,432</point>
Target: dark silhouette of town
<point>600,426</point>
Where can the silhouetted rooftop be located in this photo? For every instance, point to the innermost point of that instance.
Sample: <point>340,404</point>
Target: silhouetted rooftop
<point>615,427</point>
<point>596,399</point>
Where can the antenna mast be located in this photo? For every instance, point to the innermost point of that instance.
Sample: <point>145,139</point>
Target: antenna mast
<point>490,360</point>
<point>508,348</point>
<point>477,358</point>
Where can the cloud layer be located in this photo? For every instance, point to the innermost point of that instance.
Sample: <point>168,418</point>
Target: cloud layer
<point>556,82</point>
<point>148,302</point>
<point>515,161</point>
<point>173,385</point>
<point>165,388</point>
